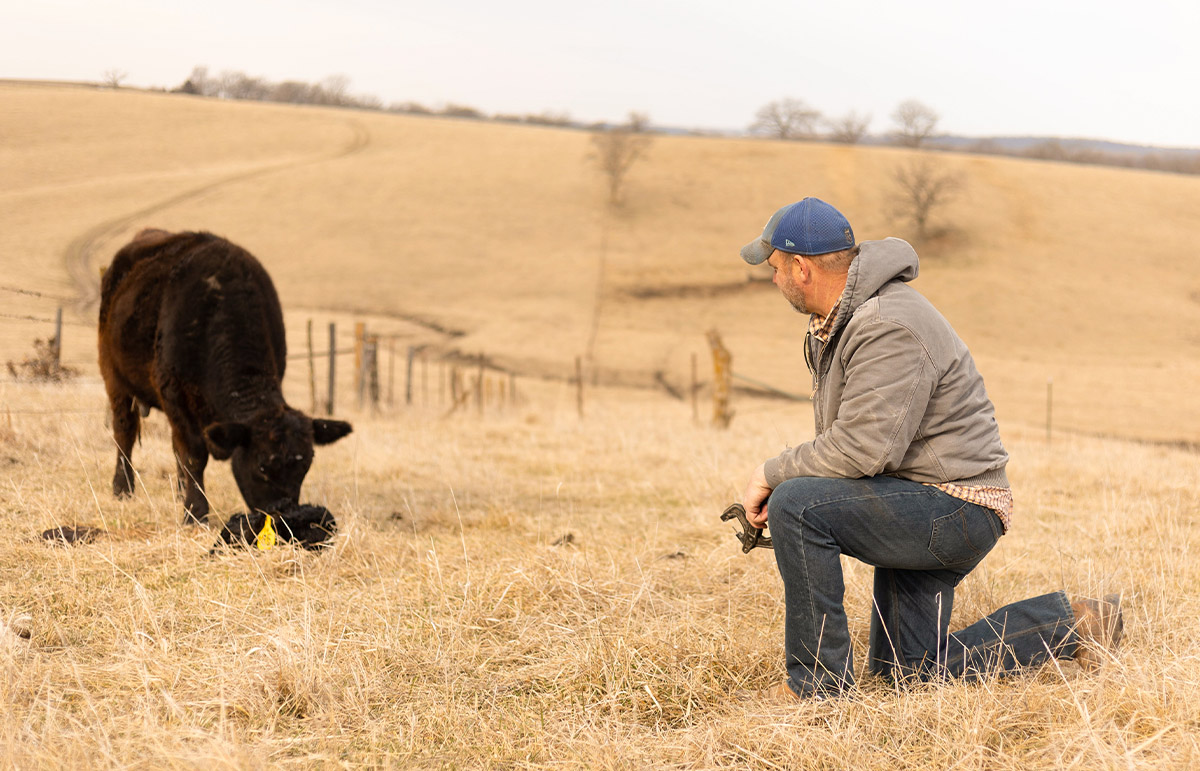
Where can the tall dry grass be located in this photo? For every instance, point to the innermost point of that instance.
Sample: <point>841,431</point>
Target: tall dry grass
<point>530,590</point>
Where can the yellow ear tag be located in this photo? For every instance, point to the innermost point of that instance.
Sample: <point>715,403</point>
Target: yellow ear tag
<point>266,536</point>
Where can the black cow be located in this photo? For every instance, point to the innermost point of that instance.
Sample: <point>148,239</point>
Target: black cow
<point>190,324</point>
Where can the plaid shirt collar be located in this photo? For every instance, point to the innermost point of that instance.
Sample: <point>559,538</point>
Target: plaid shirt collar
<point>822,327</point>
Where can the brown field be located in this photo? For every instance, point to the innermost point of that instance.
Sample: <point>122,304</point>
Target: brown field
<point>455,624</point>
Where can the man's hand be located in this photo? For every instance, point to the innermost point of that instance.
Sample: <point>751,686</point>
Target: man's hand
<point>754,499</point>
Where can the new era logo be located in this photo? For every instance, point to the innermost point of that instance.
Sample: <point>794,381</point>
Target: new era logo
<point>788,242</point>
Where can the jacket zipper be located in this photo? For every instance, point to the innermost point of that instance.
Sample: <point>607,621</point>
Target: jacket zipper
<point>818,374</point>
<point>813,364</point>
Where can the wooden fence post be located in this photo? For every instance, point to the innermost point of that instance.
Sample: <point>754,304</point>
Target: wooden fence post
<point>722,380</point>
<point>424,379</point>
<point>58,340</point>
<point>368,375</point>
<point>579,385</point>
<point>312,372</point>
<point>408,375</point>
<point>479,387</point>
<point>372,370</point>
<point>391,369</point>
<point>360,380</point>
<point>360,334</point>
<point>332,366</point>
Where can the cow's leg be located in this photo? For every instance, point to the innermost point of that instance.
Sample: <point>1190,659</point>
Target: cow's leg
<point>126,422</point>
<point>191,456</point>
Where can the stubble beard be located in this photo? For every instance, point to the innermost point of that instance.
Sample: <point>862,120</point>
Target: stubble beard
<point>798,304</point>
<point>793,295</point>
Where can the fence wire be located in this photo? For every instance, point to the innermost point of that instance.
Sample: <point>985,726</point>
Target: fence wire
<point>53,412</point>
<point>39,320</point>
<point>35,293</point>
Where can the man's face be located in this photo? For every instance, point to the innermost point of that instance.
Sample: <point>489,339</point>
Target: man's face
<point>787,269</point>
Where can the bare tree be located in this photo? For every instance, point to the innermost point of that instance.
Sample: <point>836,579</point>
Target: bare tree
<point>453,110</point>
<point>367,102</point>
<point>550,118</point>
<point>336,90</point>
<point>915,122</point>
<point>849,129</point>
<point>923,186</point>
<point>229,84</point>
<point>639,122</point>
<point>199,83</point>
<point>411,108</point>
<point>292,92</point>
<point>617,148</point>
<point>786,119</point>
<point>1054,150</point>
<point>113,77</point>
<point>243,86</point>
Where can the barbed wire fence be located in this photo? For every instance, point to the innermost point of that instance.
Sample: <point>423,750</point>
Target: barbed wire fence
<point>429,376</point>
<point>459,380</point>
<point>46,364</point>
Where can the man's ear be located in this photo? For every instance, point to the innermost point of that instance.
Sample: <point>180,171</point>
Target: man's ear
<point>223,438</point>
<point>329,431</point>
<point>804,267</point>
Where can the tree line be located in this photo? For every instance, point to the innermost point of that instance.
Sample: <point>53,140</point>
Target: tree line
<point>1176,161</point>
<point>913,123</point>
<point>793,119</point>
<point>333,91</point>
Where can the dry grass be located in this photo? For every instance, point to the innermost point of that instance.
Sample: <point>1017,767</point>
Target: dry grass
<point>527,589</point>
<point>454,625</point>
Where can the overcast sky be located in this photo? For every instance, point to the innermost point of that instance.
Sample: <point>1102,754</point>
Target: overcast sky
<point>1121,71</point>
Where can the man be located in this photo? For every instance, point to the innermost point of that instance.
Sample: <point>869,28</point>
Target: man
<point>906,473</point>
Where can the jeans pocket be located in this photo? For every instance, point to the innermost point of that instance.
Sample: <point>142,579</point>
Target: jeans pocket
<point>964,536</point>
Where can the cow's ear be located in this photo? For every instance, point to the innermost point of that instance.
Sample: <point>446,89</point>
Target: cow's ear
<point>223,438</point>
<point>329,431</point>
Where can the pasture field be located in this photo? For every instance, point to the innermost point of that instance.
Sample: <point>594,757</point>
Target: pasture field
<point>525,587</point>
<point>528,589</point>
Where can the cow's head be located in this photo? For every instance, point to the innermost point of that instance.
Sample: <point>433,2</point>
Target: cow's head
<point>271,453</point>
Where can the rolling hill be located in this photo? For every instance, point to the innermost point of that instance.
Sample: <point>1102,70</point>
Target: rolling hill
<point>496,239</point>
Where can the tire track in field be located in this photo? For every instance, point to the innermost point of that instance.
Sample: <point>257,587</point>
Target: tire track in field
<point>81,250</point>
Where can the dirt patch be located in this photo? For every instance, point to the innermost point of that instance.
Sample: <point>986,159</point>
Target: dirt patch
<point>69,534</point>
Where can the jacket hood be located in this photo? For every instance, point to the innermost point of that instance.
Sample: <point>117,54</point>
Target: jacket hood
<point>877,263</point>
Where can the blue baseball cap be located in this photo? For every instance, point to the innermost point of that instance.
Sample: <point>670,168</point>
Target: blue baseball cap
<point>809,227</point>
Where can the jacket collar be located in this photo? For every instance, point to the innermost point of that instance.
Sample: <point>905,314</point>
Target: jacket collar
<point>877,264</point>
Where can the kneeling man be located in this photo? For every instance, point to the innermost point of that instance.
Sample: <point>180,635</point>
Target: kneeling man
<point>906,473</point>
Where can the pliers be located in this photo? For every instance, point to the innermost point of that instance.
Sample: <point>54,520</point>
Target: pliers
<point>750,536</point>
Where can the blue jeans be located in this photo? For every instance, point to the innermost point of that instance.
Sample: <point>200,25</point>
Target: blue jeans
<point>922,542</point>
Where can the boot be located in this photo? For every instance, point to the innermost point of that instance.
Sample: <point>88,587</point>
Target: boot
<point>1099,625</point>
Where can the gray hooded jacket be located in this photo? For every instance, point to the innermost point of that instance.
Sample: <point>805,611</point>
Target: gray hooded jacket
<point>896,390</point>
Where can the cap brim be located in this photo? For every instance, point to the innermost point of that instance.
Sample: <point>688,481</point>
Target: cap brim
<point>757,251</point>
